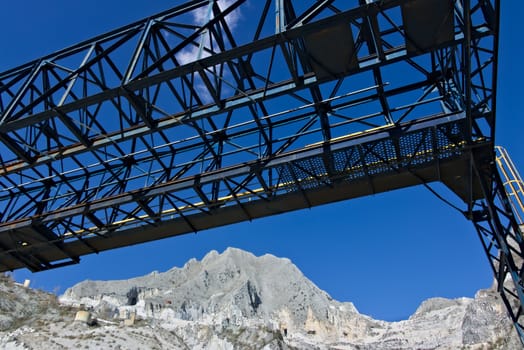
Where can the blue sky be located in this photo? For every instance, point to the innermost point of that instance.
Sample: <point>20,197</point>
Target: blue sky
<point>385,253</point>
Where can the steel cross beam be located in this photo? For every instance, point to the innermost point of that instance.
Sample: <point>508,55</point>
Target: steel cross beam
<point>182,122</point>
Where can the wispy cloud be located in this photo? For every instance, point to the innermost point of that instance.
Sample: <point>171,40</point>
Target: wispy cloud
<point>201,16</point>
<point>205,45</point>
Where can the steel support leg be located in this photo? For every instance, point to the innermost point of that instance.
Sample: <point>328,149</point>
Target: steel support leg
<point>502,240</point>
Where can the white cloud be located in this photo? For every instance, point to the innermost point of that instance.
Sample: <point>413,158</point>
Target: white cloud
<point>201,16</point>
<point>193,52</point>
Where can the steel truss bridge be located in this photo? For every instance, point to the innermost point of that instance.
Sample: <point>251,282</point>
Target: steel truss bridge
<point>201,116</point>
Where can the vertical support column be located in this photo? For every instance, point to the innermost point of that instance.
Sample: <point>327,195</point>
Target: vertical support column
<point>209,17</point>
<point>502,241</point>
<point>280,16</point>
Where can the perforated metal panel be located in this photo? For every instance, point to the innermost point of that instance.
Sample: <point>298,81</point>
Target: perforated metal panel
<point>410,151</point>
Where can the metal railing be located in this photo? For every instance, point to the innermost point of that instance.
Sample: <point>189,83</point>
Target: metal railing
<point>513,183</point>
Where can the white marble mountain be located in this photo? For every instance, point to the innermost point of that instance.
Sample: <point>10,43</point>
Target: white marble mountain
<point>235,300</point>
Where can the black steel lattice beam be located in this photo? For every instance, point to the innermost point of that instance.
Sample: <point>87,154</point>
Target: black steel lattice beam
<point>175,124</point>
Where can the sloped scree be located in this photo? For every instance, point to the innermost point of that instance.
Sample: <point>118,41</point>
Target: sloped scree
<point>20,306</point>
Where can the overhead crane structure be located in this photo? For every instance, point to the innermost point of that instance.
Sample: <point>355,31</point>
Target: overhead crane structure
<point>198,117</point>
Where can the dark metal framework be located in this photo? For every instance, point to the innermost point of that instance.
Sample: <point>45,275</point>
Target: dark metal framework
<point>197,117</point>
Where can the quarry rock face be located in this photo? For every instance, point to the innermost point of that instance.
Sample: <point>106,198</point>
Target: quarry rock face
<point>235,300</point>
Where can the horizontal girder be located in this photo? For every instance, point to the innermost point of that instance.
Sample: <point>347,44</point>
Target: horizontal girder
<point>73,134</point>
<point>361,164</point>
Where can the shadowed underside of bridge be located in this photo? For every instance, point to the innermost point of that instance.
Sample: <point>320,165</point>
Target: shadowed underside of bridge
<point>200,117</point>
<point>359,167</point>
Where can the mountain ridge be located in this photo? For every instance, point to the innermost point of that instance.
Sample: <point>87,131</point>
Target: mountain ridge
<point>235,300</point>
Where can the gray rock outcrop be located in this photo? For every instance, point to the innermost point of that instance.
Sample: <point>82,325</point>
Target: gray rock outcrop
<point>235,300</point>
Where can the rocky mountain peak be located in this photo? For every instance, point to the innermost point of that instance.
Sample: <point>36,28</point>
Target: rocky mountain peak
<point>236,300</point>
<point>234,284</point>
